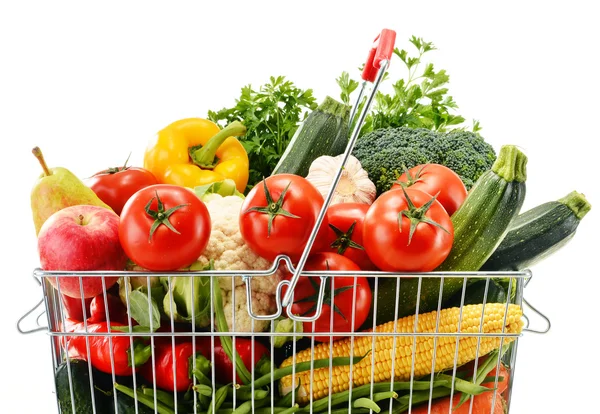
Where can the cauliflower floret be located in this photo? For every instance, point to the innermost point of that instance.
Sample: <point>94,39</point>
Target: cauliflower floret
<point>227,249</point>
<point>262,304</point>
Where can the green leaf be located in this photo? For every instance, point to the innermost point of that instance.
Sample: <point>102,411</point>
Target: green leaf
<point>188,298</point>
<point>139,306</point>
<point>222,188</point>
<point>347,86</point>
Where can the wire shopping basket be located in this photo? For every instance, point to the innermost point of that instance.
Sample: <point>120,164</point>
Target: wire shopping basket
<point>230,352</point>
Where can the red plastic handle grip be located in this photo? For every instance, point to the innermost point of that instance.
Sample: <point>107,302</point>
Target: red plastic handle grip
<point>387,40</point>
<point>383,47</point>
<point>369,71</point>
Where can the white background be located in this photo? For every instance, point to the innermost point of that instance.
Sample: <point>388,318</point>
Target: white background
<point>91,82</point>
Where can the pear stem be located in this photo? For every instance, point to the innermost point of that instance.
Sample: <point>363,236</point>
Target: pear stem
<point>38,154</point>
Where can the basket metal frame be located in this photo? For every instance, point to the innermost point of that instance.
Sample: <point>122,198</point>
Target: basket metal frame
<point>55,312</point>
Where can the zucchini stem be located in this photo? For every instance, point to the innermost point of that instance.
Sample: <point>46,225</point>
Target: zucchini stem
<point>333,107</point>
<point>511,164</point>
<point>577,203</point>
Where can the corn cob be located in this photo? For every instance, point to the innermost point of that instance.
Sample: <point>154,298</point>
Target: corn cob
<point>493,320</point>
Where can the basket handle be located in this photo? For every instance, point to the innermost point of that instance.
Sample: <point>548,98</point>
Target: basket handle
<point>29,312</point>
<point>541,315</point>
<point>385,46</point>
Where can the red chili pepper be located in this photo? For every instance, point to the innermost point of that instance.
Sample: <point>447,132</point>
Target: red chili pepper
<point>163,357</point>
<point>224,368</point>
<point>168,379</point>
<point>100,347</point>
<point>116,310</point>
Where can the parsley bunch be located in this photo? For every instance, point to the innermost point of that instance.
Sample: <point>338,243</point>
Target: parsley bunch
<point>420,100</point>
<point>271,115</point>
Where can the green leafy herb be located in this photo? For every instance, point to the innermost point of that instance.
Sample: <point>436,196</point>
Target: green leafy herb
<point>271,115</point>
<point>347,86</point>
<point>420,100</point>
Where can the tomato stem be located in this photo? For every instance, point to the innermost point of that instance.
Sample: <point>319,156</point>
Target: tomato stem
<point>161,216</point>
<point>344,240</point>
<point>328,294</point>
<point>273,208</point>
<point>417,215</point>
<point>410,179</point>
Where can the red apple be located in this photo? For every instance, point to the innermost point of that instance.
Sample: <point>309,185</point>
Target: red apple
<point>80,238</point>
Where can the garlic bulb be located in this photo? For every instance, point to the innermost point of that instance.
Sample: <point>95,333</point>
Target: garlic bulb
<point>354,185</point>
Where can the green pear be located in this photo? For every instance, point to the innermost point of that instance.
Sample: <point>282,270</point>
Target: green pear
<point>58,188</point>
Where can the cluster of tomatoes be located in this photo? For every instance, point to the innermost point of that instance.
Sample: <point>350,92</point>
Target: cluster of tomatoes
<point>151,233</point>
<point>406,229</point>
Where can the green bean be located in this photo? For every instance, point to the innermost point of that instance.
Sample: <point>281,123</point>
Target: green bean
<point>204,400</point>
<point>219,399</point>
<point>201,377</point>
<point>419,397</point>
<point>492,378</point>
<point>162,396</point>
<point>144,399</point>
<point>264,366</point>
<point>305,366</point>
<point>366,403</point>
<point>245,394</point>
<point>291,410</point>
<point>247,406</point>
<point>463,386</point>
<point>362,391</point>
<point>226,341</point>
<point>484,369</point>
<point>275,410</point>
<point>354,411</point>
<point>203,389</point>
<point>386,395</point>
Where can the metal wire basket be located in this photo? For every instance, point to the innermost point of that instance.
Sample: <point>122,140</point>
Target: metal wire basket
<point>364,379</point>
<point>413,351</point>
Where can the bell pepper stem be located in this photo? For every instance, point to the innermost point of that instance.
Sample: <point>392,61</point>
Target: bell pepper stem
<point>204,157</point>
<point>141,353</point>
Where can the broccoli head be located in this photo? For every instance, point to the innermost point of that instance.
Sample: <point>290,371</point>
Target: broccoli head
<point>384,153</point>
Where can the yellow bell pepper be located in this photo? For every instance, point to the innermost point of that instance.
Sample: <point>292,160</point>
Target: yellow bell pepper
<point>194,151</point>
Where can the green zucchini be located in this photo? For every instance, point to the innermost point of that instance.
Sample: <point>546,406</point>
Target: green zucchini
<point>80,381</point>
<point>323,132</point>
<point>539,232</point>
<point>482,221</point>
<point>479,226</point>
<point>475,293</point>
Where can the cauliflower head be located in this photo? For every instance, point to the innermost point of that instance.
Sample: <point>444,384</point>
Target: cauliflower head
<point>227,249</point>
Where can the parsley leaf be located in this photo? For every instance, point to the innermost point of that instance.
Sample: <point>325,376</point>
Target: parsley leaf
<point>271,115</point>
<point>420,100</point>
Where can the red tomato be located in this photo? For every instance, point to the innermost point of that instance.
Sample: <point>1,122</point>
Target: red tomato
<point>278,215</point>
<point>169,235</point>
<point>344,234</point>
<point>116,185</point>
<point>387,232</point>
<point>341,288</point>
<point>435,179</point>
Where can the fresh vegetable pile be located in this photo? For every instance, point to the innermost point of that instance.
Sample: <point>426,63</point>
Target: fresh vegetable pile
<point>416,195</point>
